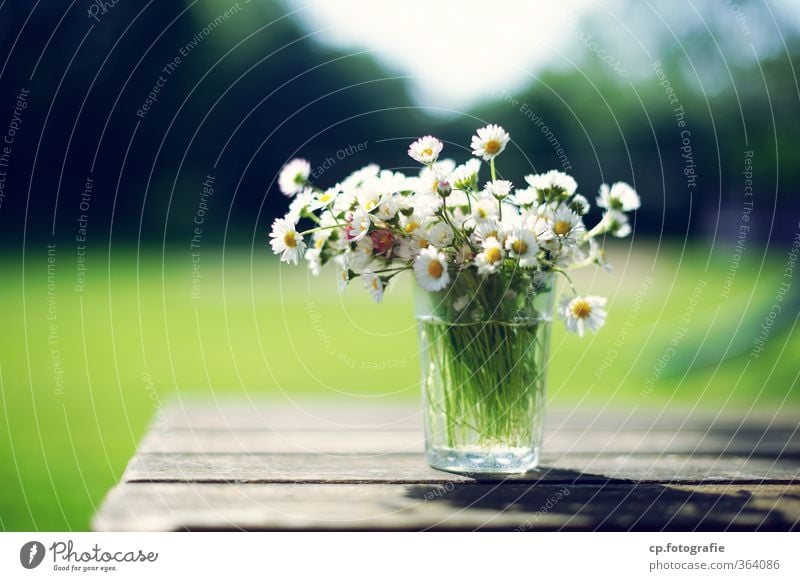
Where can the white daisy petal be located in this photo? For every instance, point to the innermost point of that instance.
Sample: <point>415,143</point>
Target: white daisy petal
<point>293,176</point>
<point>286,241</point>
<point>430,269</point>
<point>489,142</point>
<point>425,149</point>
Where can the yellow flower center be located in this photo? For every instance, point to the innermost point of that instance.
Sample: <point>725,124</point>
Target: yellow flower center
<point>320,243</point>
<point>493,255</point>
<point>482,213</point>
<point>427,151</point>
<point>290,240</point>
<point>561,228</point>
<point>325,198</point>
<point>492,146</point>
<point>519,246</point>
<point>435,269</point>
<point>423,243</point>
<point>370,205</point>
<point>410,227</point>
<point>581,309</point>
<point>375,284</point>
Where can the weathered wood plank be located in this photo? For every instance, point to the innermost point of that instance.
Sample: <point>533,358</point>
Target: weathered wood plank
<point>226,414</point>
<point>776,443</point>
<point>453,506</point>
<point>408,468</point>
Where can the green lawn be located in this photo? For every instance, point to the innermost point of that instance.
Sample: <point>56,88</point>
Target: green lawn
<point>135,337</point>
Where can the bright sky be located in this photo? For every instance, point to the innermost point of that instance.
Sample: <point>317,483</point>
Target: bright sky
<point>457,51</point>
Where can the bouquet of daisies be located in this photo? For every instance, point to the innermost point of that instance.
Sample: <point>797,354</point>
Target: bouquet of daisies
<point>449,222</point>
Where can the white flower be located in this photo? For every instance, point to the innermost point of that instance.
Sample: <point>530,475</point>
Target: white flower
<point>620,196</point>
<point>498,189</point>
<point>440,235</point>
<point>522,243</point>
<point>567,226</point>
<point>293,176</point>
<point>553,180</point>
<point>425,149</point>
<point>300,202</point>
<point>580,205</point>
<point>430,268</point>
<point>358,177</point>
<point>617,223</point>
<point>429,177</point>
<point>465,177</point>
<point>374,284</point>
<point>489,142</point>
<point>525,197</point>
<point>491,258</point>
<point>343,272</point>
<point>314,261</point>
<point>286,241</point>
<point>388,207</point>
<point>368,198</point>
<point>582,313</point>
<point>486,229</point>
<point>358,225</point>
<point>359,258</point>
<point>540,226</point>
<point>323,199</point>
<point>483,209</point>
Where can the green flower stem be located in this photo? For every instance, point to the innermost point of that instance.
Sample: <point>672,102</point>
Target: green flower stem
<point>319,229</point>
<point>484,378</point>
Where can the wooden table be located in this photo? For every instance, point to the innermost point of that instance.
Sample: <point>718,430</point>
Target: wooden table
<point>262,466</point>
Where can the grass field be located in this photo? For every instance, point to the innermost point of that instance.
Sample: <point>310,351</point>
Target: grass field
<point>82,372</point>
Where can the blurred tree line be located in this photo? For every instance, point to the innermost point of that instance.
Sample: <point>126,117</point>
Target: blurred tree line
<point>250,89</point>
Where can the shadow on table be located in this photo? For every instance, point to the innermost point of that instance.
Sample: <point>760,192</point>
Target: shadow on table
<point>572,500</point>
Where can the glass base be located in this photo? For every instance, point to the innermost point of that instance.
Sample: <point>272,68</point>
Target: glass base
<point>468,460</point>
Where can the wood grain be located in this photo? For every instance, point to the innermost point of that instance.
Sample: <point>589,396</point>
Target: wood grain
<point>511,506</point>
<point>234,465</point>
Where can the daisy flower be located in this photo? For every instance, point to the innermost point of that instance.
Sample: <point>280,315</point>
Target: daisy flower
<point>286,241</point>
<point>358,177</point>
<point>486,229</point>
<point>617,223</point>
<point>580,205</point>
<point>388,207</point>
<point>526,197</point>
<point>368,198</point>
<point>620,196</point>
<point>485,208</point>
<point>567,226</point>
<point>491,258</point>
<point>374,284</point>
<point>582,313</point>
<point>342,272</point>
<point>430,268</point>
<point>359,258</point>
<point>489,142</point>
<point>522,243</point>
<point>293,176</point>
<point>440,235</point>
<point>430,176</point>
<point>425,149</point>
<point>358,225</point>
<point>323,199</point>
<point>465,177</point>
<point>553,180</point>
<point>300,202</point>
<point>498,189</point>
